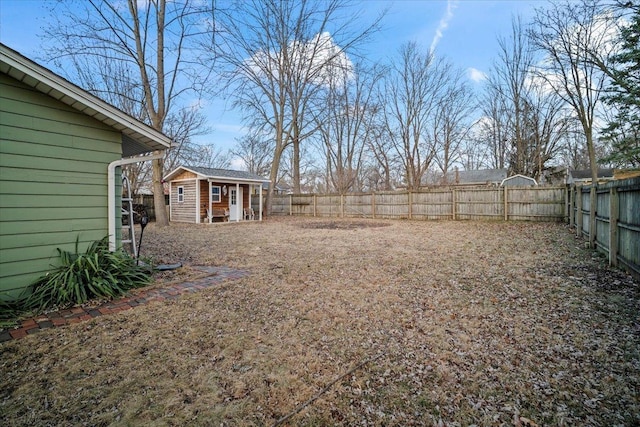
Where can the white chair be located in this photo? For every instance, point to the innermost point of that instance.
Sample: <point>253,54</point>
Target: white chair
<point>249,214</point>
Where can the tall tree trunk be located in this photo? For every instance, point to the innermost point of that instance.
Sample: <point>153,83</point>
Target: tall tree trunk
<point>158,193</point>
<point>296,166</point>
<point>594,184</point>
<point>273,179</point>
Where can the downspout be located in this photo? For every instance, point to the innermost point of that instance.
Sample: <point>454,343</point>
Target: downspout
<point>111,192</point>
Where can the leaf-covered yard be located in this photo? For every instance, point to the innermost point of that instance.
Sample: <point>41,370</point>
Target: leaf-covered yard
<point>420,323</point>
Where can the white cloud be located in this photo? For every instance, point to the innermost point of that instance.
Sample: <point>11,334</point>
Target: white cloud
<point>237,164</point>
<point>444,24</point>
<point>476,75</point>
<point>321,55</point>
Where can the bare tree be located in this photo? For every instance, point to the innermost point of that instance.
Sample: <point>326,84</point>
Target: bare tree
<point>151,45</point>
<point>510,80</point>
<point>574,153</point>
<point>210,156</point>
<point>451,124</point>
<point>346,124</point>
<point>570,34</point>
<point>184,125</point>
<point>474,154</point>
<point>380,174</point>
<point>255,153</point>
<point>546,129</point>
<point>301,165</point>
<point>413,89</point>
<point>491,129</point>
<point>525,121</point>
<point>275,54</point>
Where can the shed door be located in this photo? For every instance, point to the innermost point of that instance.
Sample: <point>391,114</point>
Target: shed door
<point>235,204</point>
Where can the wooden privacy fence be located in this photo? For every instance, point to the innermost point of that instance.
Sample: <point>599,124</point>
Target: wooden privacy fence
<point>615,228</point>
<point>503,203</point>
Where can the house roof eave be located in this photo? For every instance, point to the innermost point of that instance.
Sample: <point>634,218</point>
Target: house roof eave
<point>43,80</point>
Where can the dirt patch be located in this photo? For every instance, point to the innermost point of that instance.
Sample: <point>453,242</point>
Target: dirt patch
<point>342,225</point>
<point>434,323</point>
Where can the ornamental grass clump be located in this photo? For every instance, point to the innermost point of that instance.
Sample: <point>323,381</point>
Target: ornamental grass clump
<point>95,274</point>
<point>10,311</point>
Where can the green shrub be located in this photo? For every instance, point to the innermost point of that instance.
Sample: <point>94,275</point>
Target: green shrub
<point>98,273</point>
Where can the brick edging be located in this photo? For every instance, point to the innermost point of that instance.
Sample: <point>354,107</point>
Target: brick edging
<point>215,275</point>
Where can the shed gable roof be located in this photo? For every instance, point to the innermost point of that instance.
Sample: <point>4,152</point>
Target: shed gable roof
<point>220,174</point>
<point>137,138</point>
<point>519,179</point>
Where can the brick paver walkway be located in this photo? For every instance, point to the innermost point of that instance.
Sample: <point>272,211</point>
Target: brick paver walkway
<point>79,314</point>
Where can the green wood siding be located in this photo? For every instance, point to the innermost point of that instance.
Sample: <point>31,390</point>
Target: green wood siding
<point>53,182</point>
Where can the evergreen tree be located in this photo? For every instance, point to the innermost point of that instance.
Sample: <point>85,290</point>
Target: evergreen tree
<point>623,131</point>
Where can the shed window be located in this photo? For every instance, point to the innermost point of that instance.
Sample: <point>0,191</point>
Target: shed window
<point>215,194</point>
<point>180,194</point>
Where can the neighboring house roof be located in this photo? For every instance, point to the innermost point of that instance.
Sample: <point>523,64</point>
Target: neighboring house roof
<point>484,176</point>
<point>277,188</point>
<point>138,138</point>
<point>584,175</point>
<point>217,174</point>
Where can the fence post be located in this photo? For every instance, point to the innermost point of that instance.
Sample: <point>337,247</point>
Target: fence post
<point>566,205</point>
<point>410,197</point>
<point>593,204</point>
<point>506,204</point>
<point>290,204</point>
<point>453,203</point>
<point>315,205</point>
<point>373,204</point>
<point>614,207</point>
<point>342,205</point>
<point>579,211</point>
<point>572,200</point>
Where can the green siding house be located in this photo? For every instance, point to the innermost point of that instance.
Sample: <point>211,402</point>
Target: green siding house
<point>59,145</point>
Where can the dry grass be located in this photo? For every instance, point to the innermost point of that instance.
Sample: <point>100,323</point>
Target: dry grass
<point>482,323</point>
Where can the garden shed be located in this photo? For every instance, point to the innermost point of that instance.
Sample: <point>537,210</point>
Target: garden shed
<point>60,152</point>
<point>198,194</point>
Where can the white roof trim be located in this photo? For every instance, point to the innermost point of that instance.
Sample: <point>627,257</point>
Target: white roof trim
<point>168,176</point>
<point>234,180</point>
<point>519,176</point>
<point>23,69</point>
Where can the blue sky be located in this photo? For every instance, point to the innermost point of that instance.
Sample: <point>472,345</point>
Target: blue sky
<point>465,31</point>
